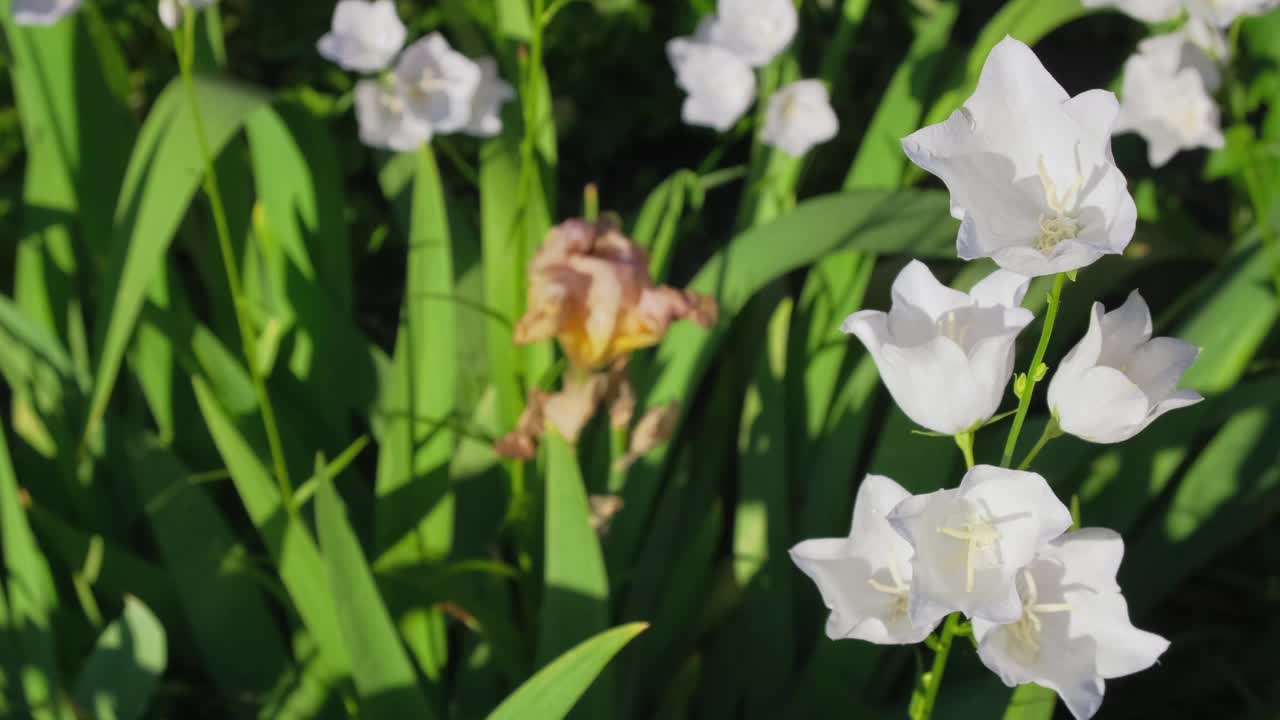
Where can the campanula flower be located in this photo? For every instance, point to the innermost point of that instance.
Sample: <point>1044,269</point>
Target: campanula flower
<point>1074,631</point>
<point>720,85</point>
<point>946,356</point>
<point>972,542</point>
<point>439,84</point>
<point>492,93</point>
<point>799,116</point>
<point>384,118</point>
<point>754,30</point>
<point>1166,97</point>
<point>1029,168</point>
<point>42,12</point>
<point>1118,379</point>
<point>365,36</point>
<point>865,578</point>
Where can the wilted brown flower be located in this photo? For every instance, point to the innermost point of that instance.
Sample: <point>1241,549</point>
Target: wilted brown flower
<point>589,288</point>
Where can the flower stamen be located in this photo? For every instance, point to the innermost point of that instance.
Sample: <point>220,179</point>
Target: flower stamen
<point>1027,630</point>
<point>979,534</point>
<point>1060,224</point>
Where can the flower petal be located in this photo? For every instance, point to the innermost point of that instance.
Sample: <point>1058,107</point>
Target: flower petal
<point>1122,649</point>
<point>1001,287</point>
<point>1102,405</point>
<point>1159,364</point>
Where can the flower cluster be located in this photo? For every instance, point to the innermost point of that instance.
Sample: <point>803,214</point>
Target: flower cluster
<point>1043,602</point>
<point>589,288</point>
<point>432,88</point>
<point>1033,182</point>
<point>715,68</point>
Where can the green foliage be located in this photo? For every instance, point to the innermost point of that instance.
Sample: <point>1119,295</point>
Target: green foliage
<point>173,363</point>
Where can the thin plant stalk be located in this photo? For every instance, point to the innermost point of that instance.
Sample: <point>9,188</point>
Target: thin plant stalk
<point>1024,402</point>
<point>1051,431</point>
<point>932,680</point>
<point>186,60</point>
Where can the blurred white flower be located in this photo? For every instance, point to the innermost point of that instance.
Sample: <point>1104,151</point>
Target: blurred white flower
<point>720,85</point>
<point>1145,10</point>
<point>946,356</point>
<point>754,30</point>
<point>439,83</point>
<point>799,116</point>
<point>1166,97</point>
<point>1221,13</point>
<point>365,36</point>
<point>971,542</point>
<point>1030,169</point>
<point>1118,379</point>
<point>493,92</point>
<point>171,10</point>
<point>384,117</point>
<point>865,578</point>
<point>42,12</point>
<point>1074,631</point>
<point>1211,40</point>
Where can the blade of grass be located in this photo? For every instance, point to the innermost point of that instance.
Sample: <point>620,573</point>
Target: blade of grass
<point>555,689</point>
<point>383,673</point>
<point>575,601</point>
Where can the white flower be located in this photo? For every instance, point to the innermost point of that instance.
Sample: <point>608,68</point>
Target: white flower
<point>1166,97</point>
<point>1118,379</point>
<point>1074,631</point>
<point>720,85</point>
<point>971,542</point>
<point>384,118</point>
<point>42,12</point>
<point>865,578</point>
<point>1145,10</point>
<point>486,107</point>
<point>1030,169</point>
<point>439,83</point>
<point>946,356</point>
<point>171,10</point>
<point>754,30</point>
<point>799,116</point>
<point>1221,13</point>
<point>365,37</point>
<point>1211,40</point>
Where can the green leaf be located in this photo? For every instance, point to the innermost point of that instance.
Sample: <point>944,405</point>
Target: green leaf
<point>31,601</point>
<point>575,602</point>
<point>286,537</point>
<point>384,676</point>
<point>917,223</point>
<point>554,690</point>
<point>119,678</point>
<point>760,528</point>
<point>414,516</point>
<point>221,600</point>
<point>163,174</point>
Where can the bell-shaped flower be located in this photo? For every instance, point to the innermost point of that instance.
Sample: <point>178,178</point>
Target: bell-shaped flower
<point>971,542</point>
<point>1166,98</point>
<point>1221,13</point>
<point>754,30</point>
<point>486,107</point>
<point>1118,379</point>
<point>42,12</point>
<point>1029,168</point>
<point>799,116</point>
<point>865,579</point>
<point>1074,631</point>
<point>439,83</point>
<point>171,11</point>
<point>720,85</point>
<point>1151,11</point>
<point>946,356</point>
<point>589,288</point>
<point>365,36</point>
<point>384,118</point>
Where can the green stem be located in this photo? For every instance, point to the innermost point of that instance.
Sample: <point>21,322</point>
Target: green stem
<point>186,59</point>
<point>1051,431</point>
<point>932,680</point>
<point>1024,402</point>
<point>965,443</point>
